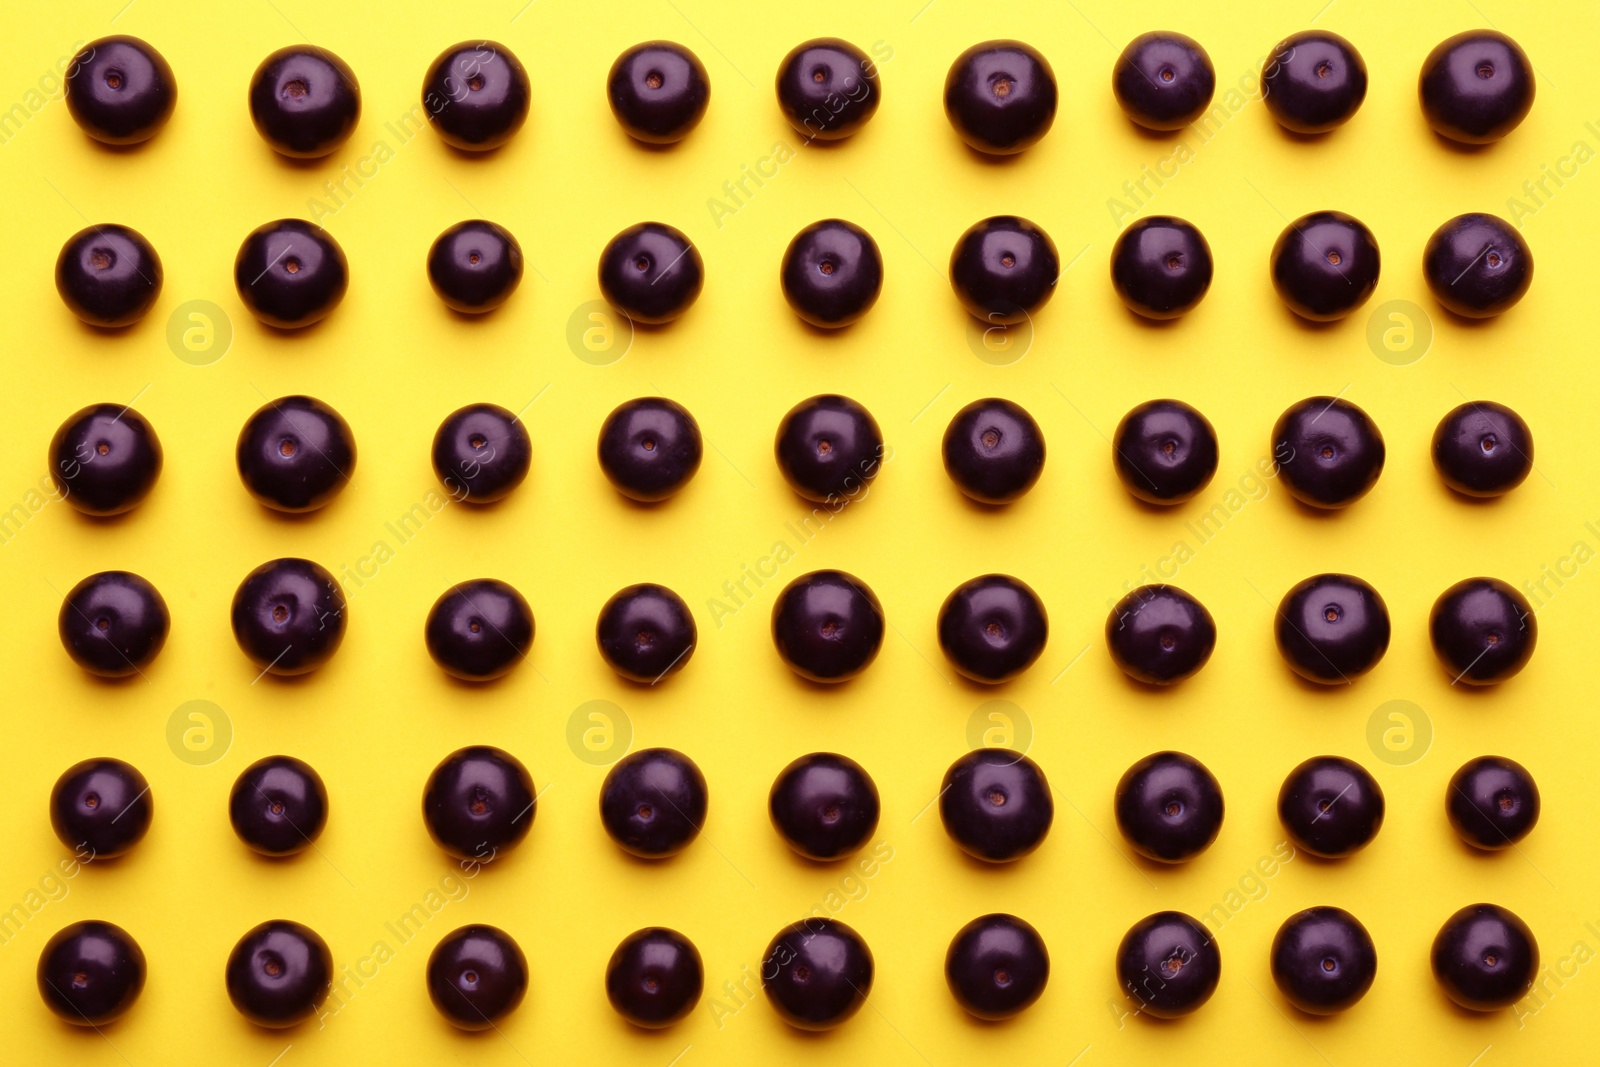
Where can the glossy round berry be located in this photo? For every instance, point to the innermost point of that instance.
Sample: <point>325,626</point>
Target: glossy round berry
<point>992,628</point>
<point>1314,82</point>
<point>1330,807</point>
<point>119,90</point>
<point>278,806</point>
<point>1000,96</point>
<point>651,273</point>
<point>993,451</point>
<point>476,95</point>
<point>100,808</point>
<point>1483,631</point>
<point>1332,628</point>
<point>477,975</point>
<point>1485,958</point>
<point>1169,807</point>
<point>1323,960</point>
<point>1492,802</point>
<point>658,91</point>
<point>996,804</point>
<point>479,630</point>
<point>105,459</point>
<point>828,626</point>
<point>1476,87</point>
<point>305,101</point>
<point>1163,80</point>
<point>650,448</point>
<point>832,273</point>
<point>827,89</point>
<point>90,973</point>
<point>1160,635</point>
<point>1003,269</point>
<point>1325,265</point>
<point>113,624</point>
<point>996,966</point>
<point>1168,964</point>
<point>824,806</point>
<point>817,973</point>
<point>478,801</point>
<point>481,452</point>
<point>1161,267</point>
<point>829,448</point>
<point>279,974</point>
<point>654,977</point>
<point>290,273</point>
<point>108,275</point>
<point>1477,265</point>
<point>1328,452</point>
<point>1164,451</point>
<point>475,266</point>
<point>289,616</point>
<point>1482,449</point>
<point>653,802</point>
<point>295,454</point>
<point>645,633</point>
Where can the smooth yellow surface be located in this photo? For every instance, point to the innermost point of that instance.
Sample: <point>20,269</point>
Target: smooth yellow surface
<point>394,362</point>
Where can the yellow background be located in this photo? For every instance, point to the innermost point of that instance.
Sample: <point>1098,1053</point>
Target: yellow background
<point>394,362</point>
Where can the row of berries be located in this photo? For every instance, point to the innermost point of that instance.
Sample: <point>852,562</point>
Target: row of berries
<point>291,273</point>
<point>1000,96</point>
<point>995,804</point>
